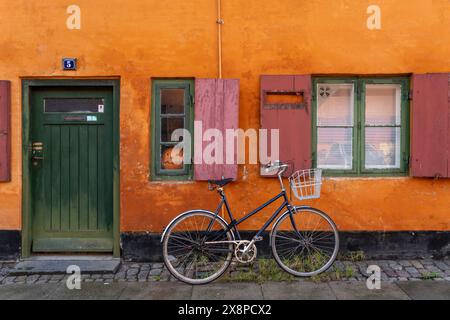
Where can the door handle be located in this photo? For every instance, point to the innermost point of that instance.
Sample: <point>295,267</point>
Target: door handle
<point>37,149</point>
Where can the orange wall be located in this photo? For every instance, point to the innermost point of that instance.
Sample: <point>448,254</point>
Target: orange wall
<point>137,40</point>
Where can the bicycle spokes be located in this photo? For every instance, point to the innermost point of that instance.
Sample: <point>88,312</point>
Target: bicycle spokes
<point>195,254</point>
<point>305,243</point>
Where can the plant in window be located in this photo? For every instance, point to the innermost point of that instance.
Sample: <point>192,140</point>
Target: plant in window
<point>172,159</point>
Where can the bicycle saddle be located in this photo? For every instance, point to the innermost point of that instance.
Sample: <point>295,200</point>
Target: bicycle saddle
<point>221,183</point>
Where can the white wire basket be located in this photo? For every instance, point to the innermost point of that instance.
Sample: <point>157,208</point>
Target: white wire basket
<point>306,184</point>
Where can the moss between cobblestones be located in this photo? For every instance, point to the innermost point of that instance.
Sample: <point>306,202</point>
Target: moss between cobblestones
<point>261,271</point>
<point>430,275</point>
<point>268,270</point>
<point>157,278</point>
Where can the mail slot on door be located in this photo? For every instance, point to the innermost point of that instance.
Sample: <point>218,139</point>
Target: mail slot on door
<point>80,118</point>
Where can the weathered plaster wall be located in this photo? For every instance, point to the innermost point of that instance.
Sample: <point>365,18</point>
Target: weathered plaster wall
<point>137,40</point>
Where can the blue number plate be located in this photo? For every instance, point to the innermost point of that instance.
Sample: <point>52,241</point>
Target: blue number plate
<point>69,64</point>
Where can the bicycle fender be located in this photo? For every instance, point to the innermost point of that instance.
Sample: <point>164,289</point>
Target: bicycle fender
<point>189,212</point>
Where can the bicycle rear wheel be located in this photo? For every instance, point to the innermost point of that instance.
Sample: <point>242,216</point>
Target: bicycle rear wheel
<point>197,247</point>
<point>307,244</point>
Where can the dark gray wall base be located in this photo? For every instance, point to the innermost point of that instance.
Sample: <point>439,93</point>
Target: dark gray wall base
<point>9,245</point>
<point>142,247</point>
<point>401,244</point>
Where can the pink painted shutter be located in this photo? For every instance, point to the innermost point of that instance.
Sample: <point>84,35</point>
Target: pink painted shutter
<point>430,126</point>
<point>5,139</point>
<point>230,121</point>
<point>216,107</point>
<point>294,123</point>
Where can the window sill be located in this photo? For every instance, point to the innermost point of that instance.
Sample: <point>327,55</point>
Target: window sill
<point>166,182</point>
<point>361,175</point>
<point>368,177</point>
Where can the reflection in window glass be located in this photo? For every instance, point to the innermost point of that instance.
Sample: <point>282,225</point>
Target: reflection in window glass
<point>335,108</point>
<point>334,148</point>
<point>172,101</point>
<point>382,148</point>
<point>74,105</point>
<point>383,104</point>
<point>335,104</point>
<point>383,126</point>
<point>168,126</point>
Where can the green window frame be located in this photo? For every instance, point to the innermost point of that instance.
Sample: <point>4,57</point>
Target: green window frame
<point>360,126</point>
<point>157,142</point>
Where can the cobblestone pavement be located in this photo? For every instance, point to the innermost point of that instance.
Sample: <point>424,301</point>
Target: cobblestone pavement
<point>392,270</point>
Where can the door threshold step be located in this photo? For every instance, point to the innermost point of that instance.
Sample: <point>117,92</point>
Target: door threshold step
<point>59,266</point>
<point>61,257</point>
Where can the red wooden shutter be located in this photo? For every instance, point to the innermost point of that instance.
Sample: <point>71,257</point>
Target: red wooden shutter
<point>216,107</point>
<point>430,132</point>
<point>293,122</point>
<point>5,139</point>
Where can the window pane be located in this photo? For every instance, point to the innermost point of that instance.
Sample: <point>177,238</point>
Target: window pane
<point>172,101</point>
<point>170,159</point>
<point>334,148</point>
<point>382,148</point>
<point>168,126</point>
<point>383,104</point>
<point>335,104</point>
<point>74,105</point>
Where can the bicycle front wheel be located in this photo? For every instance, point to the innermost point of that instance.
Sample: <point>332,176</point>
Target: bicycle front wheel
<point>198,247</point>
<point>306,243</point>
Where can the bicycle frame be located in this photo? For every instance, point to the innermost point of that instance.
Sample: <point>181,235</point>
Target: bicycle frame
<point>234,223</point>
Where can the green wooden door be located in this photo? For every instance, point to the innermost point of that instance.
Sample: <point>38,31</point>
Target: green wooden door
<point>72,169</point>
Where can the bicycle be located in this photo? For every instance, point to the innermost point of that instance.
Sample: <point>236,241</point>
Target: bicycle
<point>199,245</point>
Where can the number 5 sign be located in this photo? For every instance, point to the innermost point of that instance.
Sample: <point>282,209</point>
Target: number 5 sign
<point>69,64</point>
